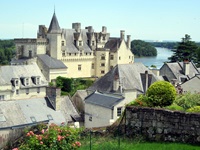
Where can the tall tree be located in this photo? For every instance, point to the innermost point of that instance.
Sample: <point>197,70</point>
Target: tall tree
<point>186,49</point>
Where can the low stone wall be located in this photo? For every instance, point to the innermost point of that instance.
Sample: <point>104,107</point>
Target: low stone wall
<point>9,135</point>
<point>163,125</point>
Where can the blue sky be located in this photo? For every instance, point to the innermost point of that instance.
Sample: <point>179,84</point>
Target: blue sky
<point>142,19</point>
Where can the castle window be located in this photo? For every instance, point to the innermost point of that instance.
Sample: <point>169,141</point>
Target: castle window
<point>38,80</point>
<point>102,71</point>
<point>63,53</point>
<point>111,67</point>
<point>79,67</point>
<point>129,57</point>
<point>111,57</point>
<point>80,43</point>
<point>27,81</point>
<point>92,65</point>
<point>102,64</point>
<point>16,82</point>
<point>92,43</point>
<point>63,43</point>
<point>75,54</point>
<point>17,92</point>
<point>119,58</point>
<point>1,97</point>
<point>102,57</point>
<point>69,54</point>
<point>86,53</point>
<point>119,111</point>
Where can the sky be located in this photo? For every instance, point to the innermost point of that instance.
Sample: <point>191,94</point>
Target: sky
<point>142,19</point>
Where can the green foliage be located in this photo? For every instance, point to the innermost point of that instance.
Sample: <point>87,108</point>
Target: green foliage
<point>113,143</point>
<point>175,107</point>
<point>195,109</point>
<point>141,48</point>
<point>161,93</point>
<point>142,100</point>
<point>188,100</point>
<point>7,51</point>
<point>52,138</point>
<point>186,50</point>
<point>169,45</point>
<point>71,85</point>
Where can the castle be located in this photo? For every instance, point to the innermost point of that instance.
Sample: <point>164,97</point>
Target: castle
<point>82,52</point>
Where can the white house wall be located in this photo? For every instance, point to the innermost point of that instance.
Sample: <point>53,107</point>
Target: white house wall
<point>100,116</point>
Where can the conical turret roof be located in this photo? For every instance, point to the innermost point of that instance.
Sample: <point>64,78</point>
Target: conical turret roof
<point>54,25</point>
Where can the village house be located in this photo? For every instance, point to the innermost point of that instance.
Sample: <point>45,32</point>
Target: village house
<point>83,52</point>
<point>26,100</point>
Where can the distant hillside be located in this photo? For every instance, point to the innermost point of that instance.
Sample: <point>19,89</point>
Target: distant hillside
<point>142,48</point>
<point>169,45</point>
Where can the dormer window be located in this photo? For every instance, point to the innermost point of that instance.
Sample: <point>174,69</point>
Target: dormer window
<point>36,80</point>
<point>26,81</point>
<point>80,43</point>
<point>93,43</point>
<point>15,81</point>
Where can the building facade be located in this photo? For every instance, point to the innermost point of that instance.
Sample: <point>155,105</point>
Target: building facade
<point>84,52</point>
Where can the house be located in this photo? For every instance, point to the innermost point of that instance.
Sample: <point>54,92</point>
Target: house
<point>125,78</point>
<point>78,100</point>
<point>103,109</point>
<point>191,85</point>
<point>178,72</point>
<point>85,53</point>
<point>26,100</point>
<point>51,67</point>
<point>22,82</point>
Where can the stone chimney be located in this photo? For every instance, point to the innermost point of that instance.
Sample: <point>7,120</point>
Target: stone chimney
<point>129,41</point>
<point>146,81</point>
<point>186,67</point>
<point>90,29</point>
<point>53,95</point>
<point>104,29</point>
<point>76,26</point>
<point>122,34</point>
<point>116,82</point>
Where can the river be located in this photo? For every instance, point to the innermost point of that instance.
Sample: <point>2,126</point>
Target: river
<point>162,56</point>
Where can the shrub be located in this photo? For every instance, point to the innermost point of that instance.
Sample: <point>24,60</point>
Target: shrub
<point>195,109</point>
<point>161,93</point>
<point>188,100</point>
<point>175,107</point>
<point>53,138</point>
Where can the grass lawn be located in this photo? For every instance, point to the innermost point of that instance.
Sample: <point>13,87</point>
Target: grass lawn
<point>101,143</point>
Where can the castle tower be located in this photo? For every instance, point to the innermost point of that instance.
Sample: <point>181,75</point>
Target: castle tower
<point>54,37</point>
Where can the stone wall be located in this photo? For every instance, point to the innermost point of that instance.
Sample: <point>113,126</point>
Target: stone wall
<point>9,135</point>
<point>162,125</point>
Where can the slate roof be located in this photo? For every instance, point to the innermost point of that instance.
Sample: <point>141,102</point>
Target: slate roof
<point>54,25</point>
<point>177,69</point>
<point>192,85</point>
<point>51,62</point>
<point>130,76</point>
<point>81,93</point>
<point>69,36</point>
<point>113,44</point>
<point>19,112</point>
<point>9,72</point>
<point>104,100</point>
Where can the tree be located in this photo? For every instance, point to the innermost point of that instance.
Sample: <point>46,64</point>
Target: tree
<point>186,50</point>
<point>141,48</point>
<point>161,93</point>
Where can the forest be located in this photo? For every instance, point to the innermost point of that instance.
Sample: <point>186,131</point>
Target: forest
<point>7,51</point>
<point>141,48</point>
